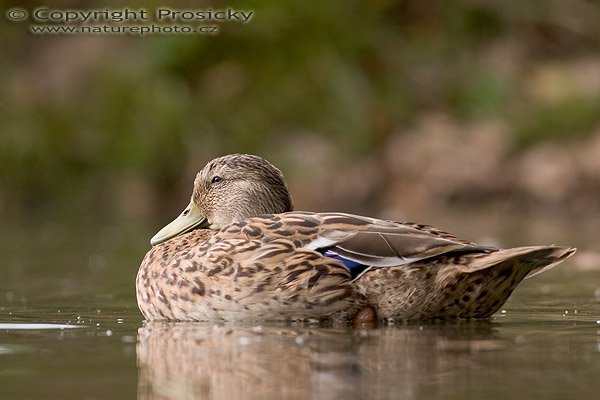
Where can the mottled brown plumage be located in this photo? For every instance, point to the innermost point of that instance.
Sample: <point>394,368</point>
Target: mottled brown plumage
<point>238,252</point>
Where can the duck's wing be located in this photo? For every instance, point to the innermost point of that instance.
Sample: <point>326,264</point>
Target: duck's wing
<point>379,243</point>
<point>367,241</point>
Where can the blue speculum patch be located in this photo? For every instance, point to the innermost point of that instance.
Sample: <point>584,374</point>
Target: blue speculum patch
<point>354,267</point>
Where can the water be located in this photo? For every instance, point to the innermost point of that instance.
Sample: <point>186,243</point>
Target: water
<point>70,329</point>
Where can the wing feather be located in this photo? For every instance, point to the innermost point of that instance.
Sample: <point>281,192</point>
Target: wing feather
<point>381,243</point>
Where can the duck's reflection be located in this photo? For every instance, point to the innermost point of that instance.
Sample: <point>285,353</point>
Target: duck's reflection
<point>196,361</point>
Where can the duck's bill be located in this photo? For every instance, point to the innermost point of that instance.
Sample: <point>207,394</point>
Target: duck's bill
<point>189,219</point>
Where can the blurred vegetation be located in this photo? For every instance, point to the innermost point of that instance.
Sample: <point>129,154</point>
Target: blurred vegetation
<point>116,126</point>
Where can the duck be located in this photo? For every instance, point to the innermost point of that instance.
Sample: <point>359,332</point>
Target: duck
<point>239,252</point>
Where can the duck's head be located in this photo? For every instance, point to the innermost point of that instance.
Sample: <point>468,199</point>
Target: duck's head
<point>229,189</point>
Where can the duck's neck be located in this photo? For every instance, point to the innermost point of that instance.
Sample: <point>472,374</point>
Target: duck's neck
<point>172,246</point>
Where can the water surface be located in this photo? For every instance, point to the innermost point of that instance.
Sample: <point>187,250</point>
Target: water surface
<point>70,328</point>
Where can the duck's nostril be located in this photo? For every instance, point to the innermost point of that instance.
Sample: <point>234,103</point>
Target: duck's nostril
<point>186,212</point>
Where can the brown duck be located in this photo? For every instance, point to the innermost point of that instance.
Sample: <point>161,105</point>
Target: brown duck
<point>239,252</point>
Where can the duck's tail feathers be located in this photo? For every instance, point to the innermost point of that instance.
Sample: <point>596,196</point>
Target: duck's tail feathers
<point>550,257</point>
<point>537,258</point>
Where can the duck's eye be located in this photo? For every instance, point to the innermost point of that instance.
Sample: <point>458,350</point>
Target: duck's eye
<point>216,179</point>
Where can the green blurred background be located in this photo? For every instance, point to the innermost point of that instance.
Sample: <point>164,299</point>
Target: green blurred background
<point>401,109</point>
